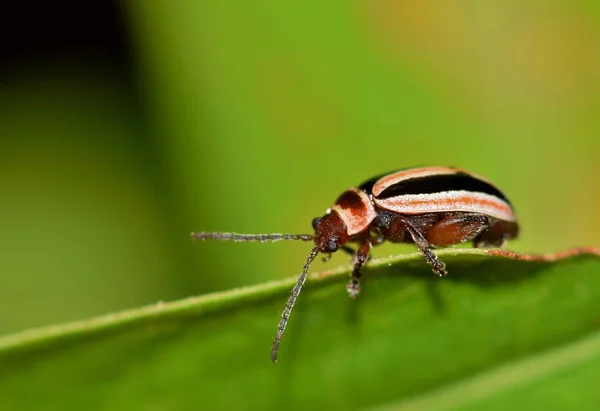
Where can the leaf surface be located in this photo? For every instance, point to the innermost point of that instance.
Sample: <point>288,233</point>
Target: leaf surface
<point>493,328</point>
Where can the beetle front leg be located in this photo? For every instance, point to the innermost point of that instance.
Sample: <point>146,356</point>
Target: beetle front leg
<point>457,228</point>
<point>348,250</point>
<point>423,245</point>
<point>361,257</point>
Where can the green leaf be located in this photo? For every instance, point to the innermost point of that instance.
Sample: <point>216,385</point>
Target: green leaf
<point>495,333</point>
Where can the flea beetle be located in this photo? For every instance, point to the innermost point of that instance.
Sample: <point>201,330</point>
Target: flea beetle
<point>428,206</point>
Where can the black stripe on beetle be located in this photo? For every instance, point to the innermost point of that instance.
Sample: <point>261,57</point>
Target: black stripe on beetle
<point>460,181</point>
<point>428,206</point>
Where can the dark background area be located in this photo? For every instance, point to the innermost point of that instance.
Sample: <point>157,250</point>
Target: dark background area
<point>62,28</point>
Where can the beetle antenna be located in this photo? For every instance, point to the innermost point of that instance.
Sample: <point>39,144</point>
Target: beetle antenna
<point>250,237</point>
<point>290,304</point>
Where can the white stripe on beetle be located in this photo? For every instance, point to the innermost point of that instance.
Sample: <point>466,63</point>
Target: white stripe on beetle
<point>448,201</point>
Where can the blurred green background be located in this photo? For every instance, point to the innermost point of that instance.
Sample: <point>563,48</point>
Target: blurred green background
<point>254,116</point>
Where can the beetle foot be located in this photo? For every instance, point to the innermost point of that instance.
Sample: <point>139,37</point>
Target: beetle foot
<point>353,288</point>
<point>439,268</point>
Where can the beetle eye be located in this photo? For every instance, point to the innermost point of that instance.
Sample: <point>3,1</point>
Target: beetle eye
<point>315,222</point>
<point>332,246</point>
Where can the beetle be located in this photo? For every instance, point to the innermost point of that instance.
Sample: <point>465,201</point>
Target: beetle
<point>429,206</point>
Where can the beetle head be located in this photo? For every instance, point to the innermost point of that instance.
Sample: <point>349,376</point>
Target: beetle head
<point>330,232</point>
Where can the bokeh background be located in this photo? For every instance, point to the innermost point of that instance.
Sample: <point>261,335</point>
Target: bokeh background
<point>125,126</point>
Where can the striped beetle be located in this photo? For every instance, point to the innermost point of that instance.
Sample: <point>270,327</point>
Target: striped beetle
<point>428,206</point>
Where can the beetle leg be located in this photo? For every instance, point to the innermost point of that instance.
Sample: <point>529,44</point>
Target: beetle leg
<point>458,228</point>
<point>486,243</point>
<point>497,234</point>
<point>348,250</point>
<point>361,257</point>
<point>423,245</point>
<point>377,240</point>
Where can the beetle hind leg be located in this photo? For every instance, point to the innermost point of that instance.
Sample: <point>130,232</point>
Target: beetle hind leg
<point>425,247</point>
<point>497,234</point>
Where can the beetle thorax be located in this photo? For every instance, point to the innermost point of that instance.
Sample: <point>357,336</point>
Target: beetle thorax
<point>356,209</point>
